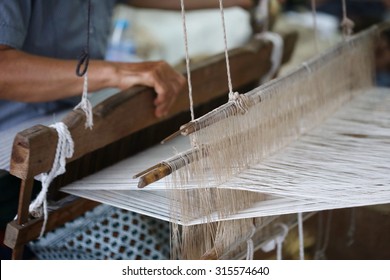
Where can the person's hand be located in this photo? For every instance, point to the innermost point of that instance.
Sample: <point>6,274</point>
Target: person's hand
<point>166,81</point>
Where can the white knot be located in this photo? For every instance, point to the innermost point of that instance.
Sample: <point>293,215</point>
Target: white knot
<point>347,26</point>
<point>65,149</point>
<point>241,101</point>
<point>85,104</point>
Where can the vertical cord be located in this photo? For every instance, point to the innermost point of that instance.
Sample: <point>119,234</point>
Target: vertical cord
<point>84,56</point>
<point>266,11</point>
<point>301,241</point>
<point>183,15</point>
<point>315,33</point>
<point>82,70</point>
<point>226,49</point>
<point>323,235</point>
<point>346,24</point>
<point>344,7</point>
<point>250,245</point>
<point>279,239</point>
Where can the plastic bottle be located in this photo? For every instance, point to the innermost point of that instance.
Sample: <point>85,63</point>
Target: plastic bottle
<point>122,46</point>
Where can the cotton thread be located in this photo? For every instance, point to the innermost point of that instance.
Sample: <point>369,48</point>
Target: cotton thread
<point>82,70</point>
<point>347,24</point>
<point>226,47</point>
<point>279,239</point>
<point>315,28</point>
<point>183,15</point>
<point>301,237</point>
<point>250,245</point>
<point>85,105</point>
<point>65,149</point>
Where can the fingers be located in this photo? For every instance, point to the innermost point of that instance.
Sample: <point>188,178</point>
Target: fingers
<point>167,82</point>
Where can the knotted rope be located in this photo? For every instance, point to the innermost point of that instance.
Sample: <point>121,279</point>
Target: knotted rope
<point>65,149</point>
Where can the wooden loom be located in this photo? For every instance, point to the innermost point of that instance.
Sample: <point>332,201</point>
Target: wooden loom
<point>289,106</point>
<point>115,137</point>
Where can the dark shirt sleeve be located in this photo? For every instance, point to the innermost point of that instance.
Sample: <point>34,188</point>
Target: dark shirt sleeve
<point>14,20</point>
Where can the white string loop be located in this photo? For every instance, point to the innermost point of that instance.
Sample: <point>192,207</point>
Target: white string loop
<point>65,149</point>
<point>85,104</point>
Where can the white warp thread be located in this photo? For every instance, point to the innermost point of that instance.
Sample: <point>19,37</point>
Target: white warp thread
<point>85,104</point>
<point>65,149</point>
<point>355,172</point>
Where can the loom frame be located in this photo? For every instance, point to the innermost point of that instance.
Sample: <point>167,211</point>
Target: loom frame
<point>34,148</point>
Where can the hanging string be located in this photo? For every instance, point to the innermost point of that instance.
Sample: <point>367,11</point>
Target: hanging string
<point>65,149</point>
<point>300,234</point>
<point>324,234</point>
<point>276,242</point>
<point>315,33</point>
<point>279,239</point>
<point>347,25</point>
<point>250,246</point>
<point>226,50</point>
<point>82,70</point>
<point>183,15</point>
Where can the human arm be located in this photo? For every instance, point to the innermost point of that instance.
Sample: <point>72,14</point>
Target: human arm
<point>31,78</point>
<point>189,4</point>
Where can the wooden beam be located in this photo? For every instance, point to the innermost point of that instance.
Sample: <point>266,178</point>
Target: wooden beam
<point>18,235</point>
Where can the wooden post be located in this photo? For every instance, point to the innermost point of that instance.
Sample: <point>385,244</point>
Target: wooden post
<point>25,193</point>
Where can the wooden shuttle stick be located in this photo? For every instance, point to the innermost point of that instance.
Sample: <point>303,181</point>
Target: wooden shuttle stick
<point>163,169</point>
